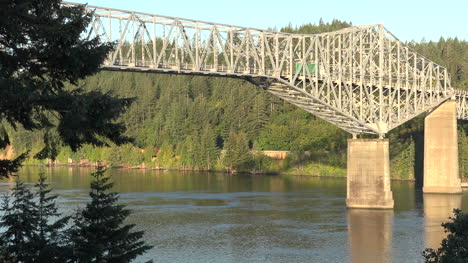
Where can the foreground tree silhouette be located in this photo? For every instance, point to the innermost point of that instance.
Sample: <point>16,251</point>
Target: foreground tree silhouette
<point>19,221</point>
<point>50,242</point>
<point>31,232</point>
<point>41,49</point>
<point>98,234</point>
<point>454,247</point>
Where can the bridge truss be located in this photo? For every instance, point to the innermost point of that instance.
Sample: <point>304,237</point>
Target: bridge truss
<point>462,104</point>
<point>362,79</point>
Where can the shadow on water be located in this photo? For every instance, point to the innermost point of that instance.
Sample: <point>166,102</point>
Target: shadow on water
<point>370,235</point>
<point>419,160</point>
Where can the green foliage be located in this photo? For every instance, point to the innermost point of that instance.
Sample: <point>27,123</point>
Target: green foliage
<point>34,232</point>
<point>322,27</point>
<point>237,154</point>
<point>8,167</point>
<point>99,233</point>
<point>198,151</point>
<point>42,50</point>
<point>188,151</point>
<point>298,130</point>
<point>52,146</point>
<point>403,160</point>
<point>19,220</point>
<point>454,247</point>
<point>115,157</point>
<point>315,163</point>
<point>317,169</point>
<point>451,53</point>
<point>165,156</point>
<point>208,150</point>
<point>50,239</point>
<point>261,162</point>
<point>463,152</point>
<point>183,122</point>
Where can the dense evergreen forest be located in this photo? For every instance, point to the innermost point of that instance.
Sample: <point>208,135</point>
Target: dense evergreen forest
<point>214,123</point>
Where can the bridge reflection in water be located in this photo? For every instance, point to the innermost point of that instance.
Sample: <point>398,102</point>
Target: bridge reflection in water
<point>214,217</point>
<point>437,209</point>
<point>361,79</point>
<point>370,231</point>
<point>370,235</point>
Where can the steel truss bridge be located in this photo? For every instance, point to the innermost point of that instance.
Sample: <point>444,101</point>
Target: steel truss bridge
<point>361,79</point>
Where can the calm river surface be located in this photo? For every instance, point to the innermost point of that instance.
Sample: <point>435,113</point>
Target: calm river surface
<point>199,217</point>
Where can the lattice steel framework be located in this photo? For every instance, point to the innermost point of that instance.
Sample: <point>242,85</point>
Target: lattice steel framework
<point>462,104</point>
<point>362,78</point>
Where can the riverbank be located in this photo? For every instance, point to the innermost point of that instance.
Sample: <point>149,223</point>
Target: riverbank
<point>321,165</point>
<point>312,170</point>
<point>330,164</point>
<point>309,170</point>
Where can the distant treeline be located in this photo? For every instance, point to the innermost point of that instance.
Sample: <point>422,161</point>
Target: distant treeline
<point>196,122</point>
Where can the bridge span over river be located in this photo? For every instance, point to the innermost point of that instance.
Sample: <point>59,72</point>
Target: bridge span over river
<point>361,79</point>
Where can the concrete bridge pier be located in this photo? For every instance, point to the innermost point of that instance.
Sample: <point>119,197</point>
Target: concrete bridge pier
<point>441,150</point>
<point>368,174</point>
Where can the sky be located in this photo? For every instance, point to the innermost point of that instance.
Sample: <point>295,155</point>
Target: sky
<point>406,19</point>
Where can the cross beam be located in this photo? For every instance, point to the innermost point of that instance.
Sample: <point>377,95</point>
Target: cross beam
<point>361,79</point>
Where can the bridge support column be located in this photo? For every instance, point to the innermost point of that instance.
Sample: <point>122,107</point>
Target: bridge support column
<point>441,150</point>
<point>368,174</point>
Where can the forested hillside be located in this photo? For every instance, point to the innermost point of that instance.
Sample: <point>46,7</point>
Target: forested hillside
<point>214,123</point>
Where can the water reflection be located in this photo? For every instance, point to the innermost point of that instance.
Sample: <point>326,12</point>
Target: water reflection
<point>199,217</point>
<point>437,209</point>
<point>370,235</point>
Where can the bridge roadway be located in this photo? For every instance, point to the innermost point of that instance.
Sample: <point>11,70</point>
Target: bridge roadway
<point>361,79</point>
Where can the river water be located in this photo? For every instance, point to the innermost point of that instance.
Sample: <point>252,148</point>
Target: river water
<point>203,217</point>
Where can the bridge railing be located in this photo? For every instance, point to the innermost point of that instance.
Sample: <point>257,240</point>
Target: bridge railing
<point>367,54</point>
<point>362,73</point>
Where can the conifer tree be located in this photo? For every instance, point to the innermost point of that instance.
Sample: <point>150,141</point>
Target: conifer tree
<point>463,153</point>
<point>20,223</point>
<point>42,48</point>
<point>237,153</point>
<point>165,155</point>
<point>186,151</point>
<point>50,242</point>
<point>208,150</point>
<point>197,152</point>
<point>229,150</point>
<point>32,233</point>
<point>99,234</point>
<point>259,116</point>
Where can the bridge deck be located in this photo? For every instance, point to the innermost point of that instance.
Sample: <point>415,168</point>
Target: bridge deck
<point>361,78</point>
